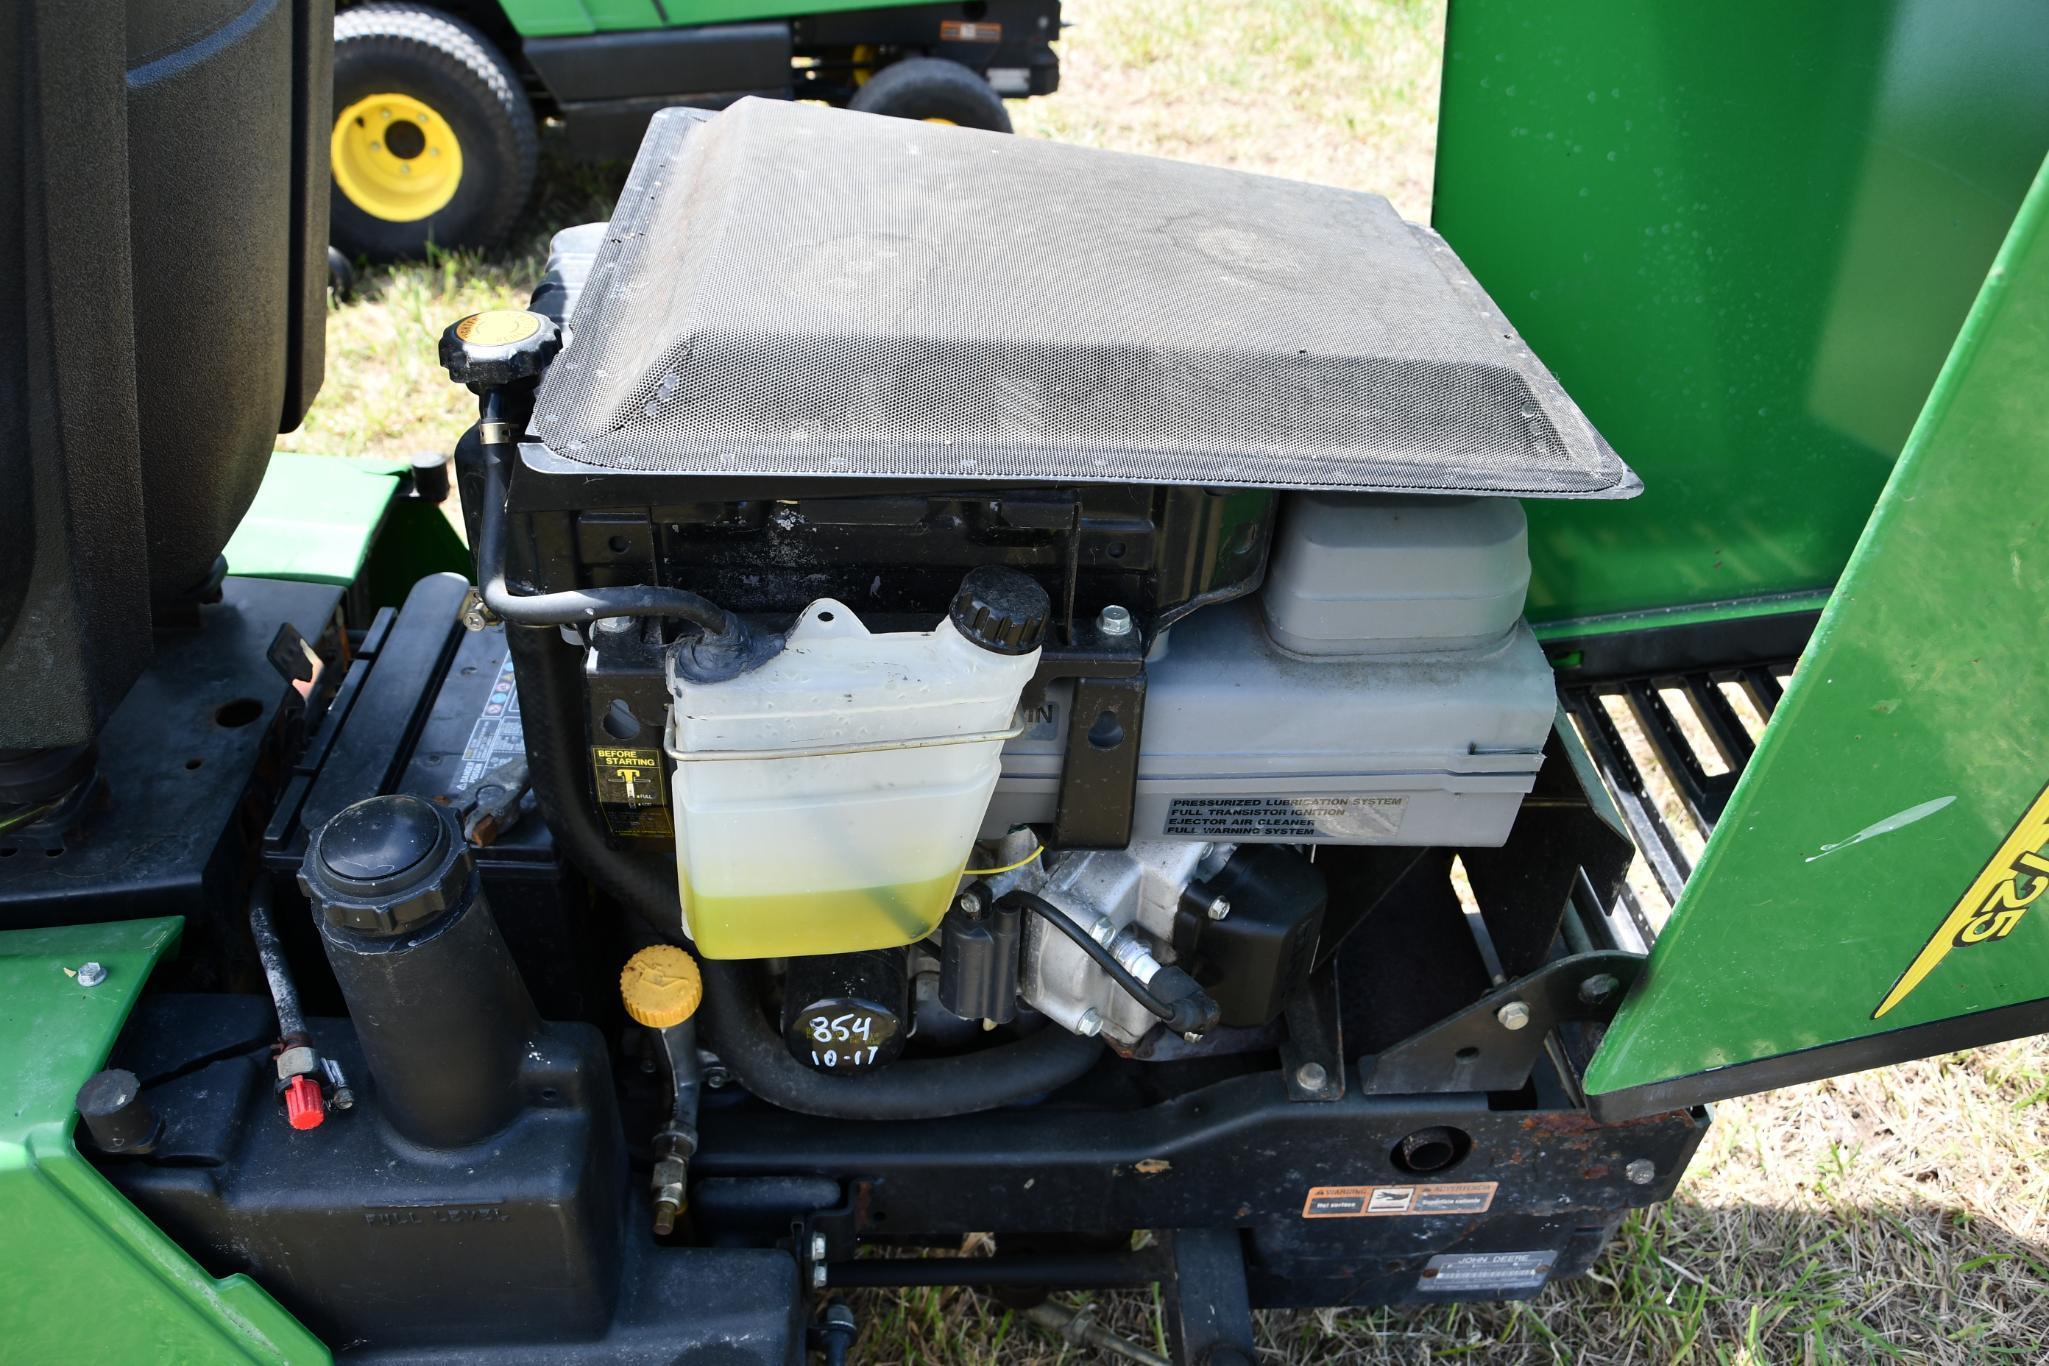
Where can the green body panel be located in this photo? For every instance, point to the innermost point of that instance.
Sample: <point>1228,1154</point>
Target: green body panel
<point>1743,235</point>
<point>558,18</point>
<point>1866,875</point>
<point>313,519</point>
<point>86,1276</point>
<point>326,519</point>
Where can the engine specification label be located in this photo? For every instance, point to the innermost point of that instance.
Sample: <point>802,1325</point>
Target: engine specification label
<point>1381,1202</point>
<point>1485,1271</point>
<point>1294,817</point>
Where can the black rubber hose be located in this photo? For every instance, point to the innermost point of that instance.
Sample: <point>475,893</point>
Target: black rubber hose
<point>284,993</point>
<point>574,605</point>
<point>1086,942</point>
<point>549,701</point>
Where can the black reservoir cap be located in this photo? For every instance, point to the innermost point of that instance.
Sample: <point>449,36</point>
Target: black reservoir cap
<point>1002,610</point>
<point>116,1116</point>
<point>385,865</point>
<point>499,346</point>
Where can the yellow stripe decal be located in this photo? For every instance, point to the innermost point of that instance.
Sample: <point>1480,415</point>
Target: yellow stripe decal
<point>2016,876</point>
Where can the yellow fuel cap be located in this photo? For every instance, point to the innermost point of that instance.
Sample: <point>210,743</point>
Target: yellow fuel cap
<point>660,986</point>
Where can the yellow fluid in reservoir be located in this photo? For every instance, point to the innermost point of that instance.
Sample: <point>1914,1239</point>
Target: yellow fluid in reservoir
<point>794,924</point>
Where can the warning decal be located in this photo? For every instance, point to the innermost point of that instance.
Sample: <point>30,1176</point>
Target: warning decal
<point>497,736</point>
<point>1375,1202</point>
<point>1994,903</point>
<point>1294,817</point>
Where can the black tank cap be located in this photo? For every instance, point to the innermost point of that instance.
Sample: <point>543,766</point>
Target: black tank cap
<point>1002,610</point>
<point>376,845</point>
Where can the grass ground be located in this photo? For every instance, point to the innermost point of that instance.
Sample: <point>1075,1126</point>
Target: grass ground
<point>1898,1215</point>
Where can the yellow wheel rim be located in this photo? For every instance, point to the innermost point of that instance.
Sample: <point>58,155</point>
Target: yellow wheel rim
<point>395,158</point>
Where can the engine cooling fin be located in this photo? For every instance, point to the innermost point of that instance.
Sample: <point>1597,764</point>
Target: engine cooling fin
<point>796,290</point>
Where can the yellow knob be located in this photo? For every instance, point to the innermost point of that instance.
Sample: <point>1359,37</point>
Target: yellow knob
<point>660,986</point>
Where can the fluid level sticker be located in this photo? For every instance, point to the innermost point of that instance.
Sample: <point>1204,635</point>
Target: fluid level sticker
<point>1451,1272</point>
<point>1295,817</point>
<point>631,790</point>
<point>1378,1202</point>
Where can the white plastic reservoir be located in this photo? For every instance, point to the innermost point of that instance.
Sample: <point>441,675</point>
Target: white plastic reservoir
<point>827,801</point>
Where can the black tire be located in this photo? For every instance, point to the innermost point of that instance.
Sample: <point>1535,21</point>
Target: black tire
<point>933,88</point>
<point>452,69</point>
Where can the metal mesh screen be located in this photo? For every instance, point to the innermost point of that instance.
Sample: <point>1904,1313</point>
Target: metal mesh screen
<point>789,289</point>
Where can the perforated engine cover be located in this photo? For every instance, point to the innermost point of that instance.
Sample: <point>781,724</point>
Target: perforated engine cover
<point>788,289</point>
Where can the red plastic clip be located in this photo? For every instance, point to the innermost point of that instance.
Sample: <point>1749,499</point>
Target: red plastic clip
<point>305,1108</point>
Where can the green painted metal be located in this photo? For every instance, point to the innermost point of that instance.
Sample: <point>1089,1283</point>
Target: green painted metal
<point>313,519</point>
<point>1741,609</point>
<point>557,18</point>
<point>1876,886</point>
<point>83,1275</point>
<point>1743,235</point>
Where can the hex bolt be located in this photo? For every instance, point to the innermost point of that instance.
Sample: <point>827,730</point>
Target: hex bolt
<point>818,1247</point>
<point>91,974</point>
<point>614,626</point>
<point>1090,1024</point>
<point>716,1077</point>
<point>1310,1076</point>
<point>1641,1172</point>
<point>970,905</point>
<point>1514,1015</point>
<point>1598,988</point>
<point>1219,907</point>
<point>1114,621</point>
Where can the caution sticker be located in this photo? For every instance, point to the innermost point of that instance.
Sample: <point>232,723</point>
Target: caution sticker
<point>969,31</point>
<point>1992,905</point>
<point>1381,1202</point>
<point>632,790</point>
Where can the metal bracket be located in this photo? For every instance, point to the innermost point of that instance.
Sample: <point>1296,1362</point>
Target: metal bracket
<point>1493,1043</point>
<point>1313,1054</point>
<point>1209,1310</point>
<point>1099,774</point>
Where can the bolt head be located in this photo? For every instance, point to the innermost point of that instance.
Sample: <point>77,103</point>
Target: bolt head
<point>1598,988</point>
<point>1310,1076</point>
<point>970,905</point>
<point>91,974</point>
<point>716,1077</point>
<point>1641,1172</point>
<point>614,626</point>
<point>1220,908</point>
<point>818,1247</point>
<point>818,1275</point>
<point>1114,621</point>
<point>1090,1024</point>
<point>1514,1015</point>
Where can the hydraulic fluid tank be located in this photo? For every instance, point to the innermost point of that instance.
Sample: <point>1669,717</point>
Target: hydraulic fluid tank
<point>440,1009</point>
<point>827,800</point>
